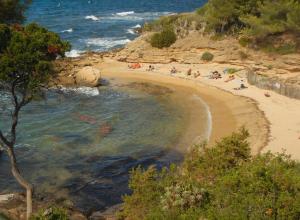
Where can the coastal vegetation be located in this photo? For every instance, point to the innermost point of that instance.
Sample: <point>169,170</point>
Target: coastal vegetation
<point>26,53</point>
<point>163,39</point>
<point>273,26</point>
<point>12,11</point>
<point>219,182</point>
<point>207,56</point>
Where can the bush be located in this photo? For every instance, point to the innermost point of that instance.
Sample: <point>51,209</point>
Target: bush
<point>207,56</point>
<point>220,182</point>
<point>53,213</point>
<point>243,55</point>
<point>163,39</point>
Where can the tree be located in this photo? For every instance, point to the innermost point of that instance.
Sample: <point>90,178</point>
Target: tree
<point>25,69</point>
<point>12,11</point>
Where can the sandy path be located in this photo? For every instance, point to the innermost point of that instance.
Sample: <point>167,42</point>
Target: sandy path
<point>229,112</point>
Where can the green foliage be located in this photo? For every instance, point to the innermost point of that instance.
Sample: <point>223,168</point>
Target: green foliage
<point>225,16</point>
<point>53,213</point>
<point>5,35</point>
<point>256,20</point>
<point>26,55</point>
<point>163,23</point>
<point>274,17</point>
<point>12,11</point>
<point>163,39</point>
<point>282,49</point>
<point>220,182</point>
<point>207,56</point>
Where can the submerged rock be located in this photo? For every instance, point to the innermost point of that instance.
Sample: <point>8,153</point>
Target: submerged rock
<point>88,76</point>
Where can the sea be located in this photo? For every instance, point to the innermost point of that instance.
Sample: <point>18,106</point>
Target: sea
<point>80,144</point>
<point>101,25</point>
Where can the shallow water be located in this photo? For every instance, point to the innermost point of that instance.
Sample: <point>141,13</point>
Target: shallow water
<point>81,144</point>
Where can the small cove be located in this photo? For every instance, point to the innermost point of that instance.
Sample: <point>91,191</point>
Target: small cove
<point>81,144</point>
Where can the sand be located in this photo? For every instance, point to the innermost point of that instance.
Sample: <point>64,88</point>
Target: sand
<point>228,112</point>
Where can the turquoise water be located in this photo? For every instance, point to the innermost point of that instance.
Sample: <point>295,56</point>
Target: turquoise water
<point>80,144</point>
<point>100,25</point>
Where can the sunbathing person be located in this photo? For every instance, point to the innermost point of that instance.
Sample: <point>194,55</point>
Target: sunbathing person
<point>230,78</point>
<point>242,86</point>
<point>197,74</point>
<point>215,75</point>
<point>173,70</point>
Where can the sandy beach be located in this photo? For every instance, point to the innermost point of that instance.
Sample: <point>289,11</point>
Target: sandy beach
<point>228,112</point>
<point>273,122</point>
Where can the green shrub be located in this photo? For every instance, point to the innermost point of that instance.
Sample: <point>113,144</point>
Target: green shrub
<point>244,41</point>
<point>219,182</point>
<point>283,49</point>
<point>207,56</point>
<point>163,39</point>
<point>52,213</point>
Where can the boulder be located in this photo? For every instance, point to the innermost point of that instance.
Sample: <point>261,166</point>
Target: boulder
<point>88,76</point>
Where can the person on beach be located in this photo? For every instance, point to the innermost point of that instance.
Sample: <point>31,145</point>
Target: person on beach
<point>197,74</point>
<point>189,72</point>
<point>242,85</point>
<point>173,70</point>
<point>215,75</point>
<point>150,68</point>
<point>230,78</point>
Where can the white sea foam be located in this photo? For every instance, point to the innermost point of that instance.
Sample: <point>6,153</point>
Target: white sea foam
<point>88,91</point>
<point>130,31</point>
<point>132,16</point>
<point>125,13</point>
<point>106,43</point>
<point>74,53</point>
<point>137,26</point>
<point>67,31</point>
<point>92,17</point>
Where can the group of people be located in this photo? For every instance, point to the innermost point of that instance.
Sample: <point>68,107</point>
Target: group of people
<point>213,75</point>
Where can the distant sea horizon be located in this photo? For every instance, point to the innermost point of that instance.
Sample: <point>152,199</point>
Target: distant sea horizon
<point>102,25</point>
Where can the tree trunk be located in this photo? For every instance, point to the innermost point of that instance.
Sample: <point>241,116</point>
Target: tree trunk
<point>16,173</point>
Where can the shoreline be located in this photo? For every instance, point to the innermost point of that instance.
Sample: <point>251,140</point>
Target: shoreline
<point>273,122</point>
<point>229,112</point>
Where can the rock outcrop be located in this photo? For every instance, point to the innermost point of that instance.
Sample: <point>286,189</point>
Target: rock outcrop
<point>88,76</point>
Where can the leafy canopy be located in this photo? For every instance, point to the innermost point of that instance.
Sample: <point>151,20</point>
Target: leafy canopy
<point>12,11</point>
<point>26,54</point>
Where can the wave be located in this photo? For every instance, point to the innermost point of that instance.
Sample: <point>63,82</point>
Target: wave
<point>137,26</point>
<point>132,16</point>
<point>106,42</point>
<point>67,31</point>
<point>125,13</point>
<point>74,53</point>
<point>88,91</point>
<point>92,17</point>
<point>131,31</point>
